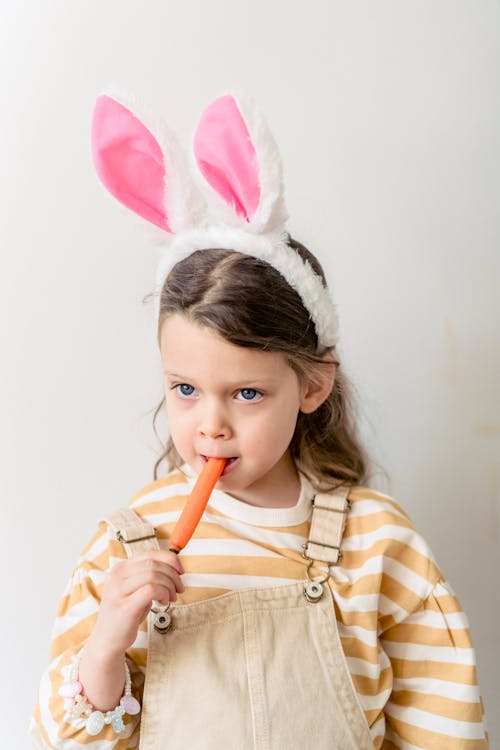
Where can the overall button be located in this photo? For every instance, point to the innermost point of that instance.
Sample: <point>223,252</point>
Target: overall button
<point>162,621</point>
<point>313,591</point>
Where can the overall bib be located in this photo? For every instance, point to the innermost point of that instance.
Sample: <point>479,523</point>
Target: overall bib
<point>255,669</point>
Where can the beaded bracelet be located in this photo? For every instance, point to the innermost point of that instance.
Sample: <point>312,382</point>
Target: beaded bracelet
<point>81,713</point>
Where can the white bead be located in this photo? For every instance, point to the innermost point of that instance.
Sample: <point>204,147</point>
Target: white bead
<point>95,722</point>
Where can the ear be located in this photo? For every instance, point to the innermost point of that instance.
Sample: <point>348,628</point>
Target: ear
<point>318,387</point>
<point>240,165</point>
<point>142,166</point>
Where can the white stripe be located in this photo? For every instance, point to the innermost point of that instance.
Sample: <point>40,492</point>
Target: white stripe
<point>159,519</point>
<point>225,548</point>
<point>388,532</point>
<point>377,604</point>
<point>417,652</point>
<point>387,606</point>
<point>363,668</point>
<point>96,549</point>
<point>74,615</point>
<point>444,588</point>
<point>141,640</point>
<point>430,619</point>
<point>439,724</point>
<point>81,574</point>
<point>401,573</point>
<point>55,661</point>
<point>407,577</point>
<point>232,582</point>
<point>401,744</point>
<point>444,688</point>
<point>358,603</point>
<point>370,507</point>
<point>269,537</point>
<point>371,702</point>
<point>378,728</point>
<point>361,634</point>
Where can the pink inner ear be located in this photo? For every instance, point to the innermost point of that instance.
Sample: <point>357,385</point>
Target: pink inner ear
<point>129,160</point>
<point>226,156</point>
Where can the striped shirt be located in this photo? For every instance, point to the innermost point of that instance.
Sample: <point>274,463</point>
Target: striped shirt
<point>403,632</point>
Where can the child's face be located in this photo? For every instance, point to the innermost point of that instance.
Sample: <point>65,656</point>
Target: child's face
<point>233,402</point>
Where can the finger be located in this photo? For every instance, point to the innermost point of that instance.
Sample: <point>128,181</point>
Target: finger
<point>147,566</point>
<point>144,596</point>
<point>167,578</point>
<point>163,555</point>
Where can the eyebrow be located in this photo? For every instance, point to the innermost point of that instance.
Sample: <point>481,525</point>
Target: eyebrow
<point>257,380</point>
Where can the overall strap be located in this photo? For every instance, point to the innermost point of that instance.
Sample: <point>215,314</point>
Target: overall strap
<point>136,534</point>
<point>327,526</point>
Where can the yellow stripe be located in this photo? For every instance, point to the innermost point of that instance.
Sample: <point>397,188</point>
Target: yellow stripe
<point>433,740</point>
<point>428,636</point>
<point>360,650</point>
<point>394,550</point>
<point>368,524</point>
<point>268,567</point>
<point>439,705</point>
<point>372,686</point>
<point>435,671</point>
<point>77,634</point>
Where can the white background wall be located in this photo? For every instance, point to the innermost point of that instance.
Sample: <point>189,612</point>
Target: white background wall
<point>387,114</point>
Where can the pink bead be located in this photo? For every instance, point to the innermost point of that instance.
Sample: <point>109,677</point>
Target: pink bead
<point>130,705</point>
<point>70,689</point>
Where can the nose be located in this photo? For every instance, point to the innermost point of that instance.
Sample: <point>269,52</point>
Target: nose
<point>214,423</point>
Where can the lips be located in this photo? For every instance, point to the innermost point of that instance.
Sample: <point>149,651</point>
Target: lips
<point>231,462</point>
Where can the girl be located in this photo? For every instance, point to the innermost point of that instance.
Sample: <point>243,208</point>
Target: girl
<point>306,611</point>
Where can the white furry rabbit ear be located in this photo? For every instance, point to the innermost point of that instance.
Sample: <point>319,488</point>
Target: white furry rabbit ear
<point>241,166</point>
<point>143,166</point>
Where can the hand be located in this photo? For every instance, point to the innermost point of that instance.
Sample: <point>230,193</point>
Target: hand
<point>129,589</point>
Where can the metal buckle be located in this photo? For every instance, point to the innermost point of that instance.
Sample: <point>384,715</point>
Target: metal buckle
<point>121,538</point>
<point>330,546</point>
<point>347,508</point>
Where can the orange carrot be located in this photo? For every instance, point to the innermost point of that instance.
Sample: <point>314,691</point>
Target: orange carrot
<point>193,510</point>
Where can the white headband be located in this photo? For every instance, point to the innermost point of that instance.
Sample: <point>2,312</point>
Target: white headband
<point>231,198</point>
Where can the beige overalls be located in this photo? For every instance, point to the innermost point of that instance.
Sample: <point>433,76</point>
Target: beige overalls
<point>256,669</point>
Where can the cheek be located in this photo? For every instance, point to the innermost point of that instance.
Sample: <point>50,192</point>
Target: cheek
<point>176,416</point>
<point>274,434</point>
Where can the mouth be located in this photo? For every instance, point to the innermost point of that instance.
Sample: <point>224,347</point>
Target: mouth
<point>231,462</point>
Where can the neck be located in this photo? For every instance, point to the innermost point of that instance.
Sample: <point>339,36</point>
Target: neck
<point>280,488</point>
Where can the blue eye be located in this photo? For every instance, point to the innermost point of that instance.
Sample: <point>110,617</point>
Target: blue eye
<point>184,389</point>
<point>250,394</point>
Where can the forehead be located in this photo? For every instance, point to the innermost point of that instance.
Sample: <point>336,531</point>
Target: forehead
<point>189,348</point>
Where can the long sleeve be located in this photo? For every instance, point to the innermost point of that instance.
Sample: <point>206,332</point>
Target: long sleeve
<point>76,615</point>
<point>404,634</point>
<point>435,699</point>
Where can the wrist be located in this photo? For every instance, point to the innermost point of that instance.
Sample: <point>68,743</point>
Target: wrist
<point>103,650</point>
<point>81,712</point>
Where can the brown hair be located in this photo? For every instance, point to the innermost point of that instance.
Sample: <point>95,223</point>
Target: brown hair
<point>249,303</point>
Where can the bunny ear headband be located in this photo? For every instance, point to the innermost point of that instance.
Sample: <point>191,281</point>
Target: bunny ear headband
<point>232,198</point>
